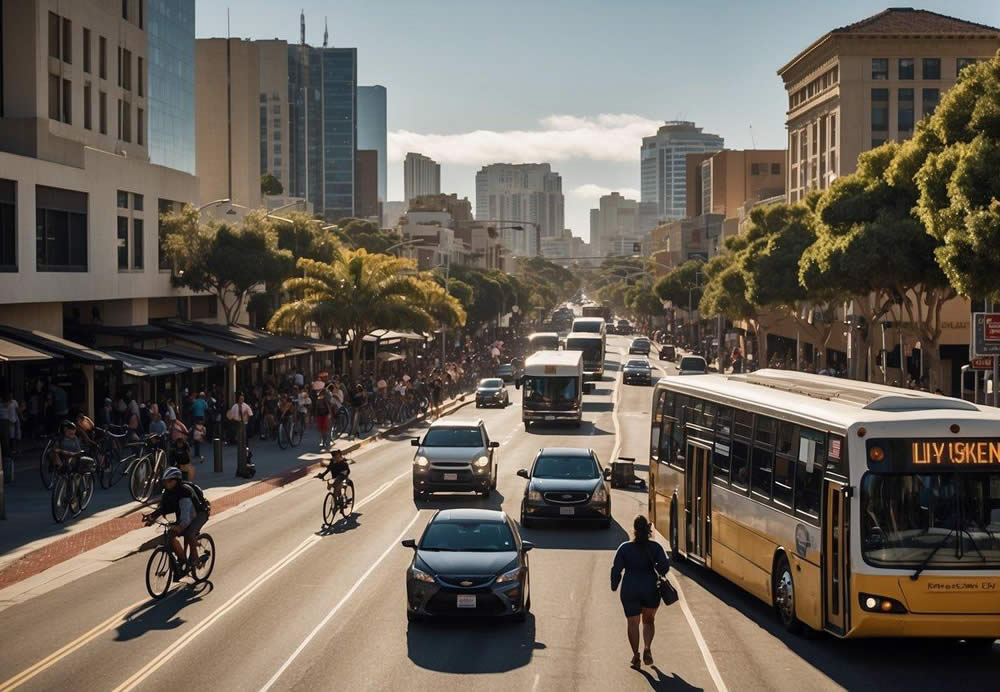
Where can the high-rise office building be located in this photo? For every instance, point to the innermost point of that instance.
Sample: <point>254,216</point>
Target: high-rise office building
<point>662,165</point>
<point>170,27</point>
<point>273,109</point>
<point>372,132</point>
<point>367,205</point>
<point>421,176</point>
<point>617,218</point>
<point>529,194</point>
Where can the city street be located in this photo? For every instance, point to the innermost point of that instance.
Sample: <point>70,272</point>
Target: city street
<point>291,606</point>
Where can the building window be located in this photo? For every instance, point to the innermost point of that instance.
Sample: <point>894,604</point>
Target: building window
<point>55,111</point>
<point>122,199</point>
<point>125,120</point>
<point>102,57</point>
<point>122,243</point>
<point>931,98</point>
<point>877,142</point>
<point>277,147</point>
<point>775,169</point>
<point>880,68</point>
<point>86,50</point>
<point>87,122</point>
<point>932,68</point>
<point>833,131</point>
<point>61,229</point>
<point>67,101</point>
<point>141,85</point>
<point>67,41</point>
<point>137,244</point>
<point>904,121</point>
<point>880,110</point>
<point>276,109</point>
<point>8,226</point>
<point>102,112</point>
<point>55,45</point>
<point>124,9</point>
<point>119,65</point>
<point>962,63</point>
<point>127,70</point>
<point>140,126</point>
<point>754,169</point>
<point>906,68</point>
<point>138,201</point>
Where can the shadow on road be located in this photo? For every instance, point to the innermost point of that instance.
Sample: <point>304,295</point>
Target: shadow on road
<point>662,681</point>
<point>586,428</point>
<point>598,406</point>
<point>342,525</point>
<point>471,647</point>
<point>902,663</point>
<point>582,535</point>
<point>460,500</point>
<point>161,615</point>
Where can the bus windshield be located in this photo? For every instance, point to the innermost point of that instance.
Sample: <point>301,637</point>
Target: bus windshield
<point>544,343</point>
<point>949,520</point>
<point>591,348</point>
<point>554,393</point>
<point>589,326</point>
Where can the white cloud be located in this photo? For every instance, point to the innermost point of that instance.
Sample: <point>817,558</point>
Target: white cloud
<point>590,191</point>
<point>608,137</point>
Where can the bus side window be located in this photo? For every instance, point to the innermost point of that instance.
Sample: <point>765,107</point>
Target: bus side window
<point>665,455</point>
<point>742,434</point>
<point>811,457</point>
<point>654,426</point>
<point>722,455</point>
<point>677,432</point>
<point>784,464</point>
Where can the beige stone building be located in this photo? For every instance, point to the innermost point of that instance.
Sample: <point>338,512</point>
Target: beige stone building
<point>860,85</point>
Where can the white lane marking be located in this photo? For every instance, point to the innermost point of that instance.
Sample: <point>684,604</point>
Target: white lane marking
<point>333,611</point>
<point>720,685</point>
<point>151,667</point>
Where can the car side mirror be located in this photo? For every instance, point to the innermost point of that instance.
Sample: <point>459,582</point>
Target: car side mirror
<point>526,546</point>
<point>415,442</point>
<point>494,444</point>
<point>523,473</point>
<point>607,474</point>
<point>409,543</point>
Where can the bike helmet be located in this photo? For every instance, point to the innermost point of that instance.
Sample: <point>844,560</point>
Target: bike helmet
<point>172,472</point>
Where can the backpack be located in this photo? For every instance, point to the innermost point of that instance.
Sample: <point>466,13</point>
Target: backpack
<point>198,498</point>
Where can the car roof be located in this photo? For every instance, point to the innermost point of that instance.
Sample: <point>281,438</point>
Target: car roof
<point>490,379</point>
<point>457,423</point>
<point>470,514</point>
<point>637,360</point>
<point>565,452</point>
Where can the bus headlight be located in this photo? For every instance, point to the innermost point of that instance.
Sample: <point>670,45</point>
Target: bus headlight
<point>880,604</point>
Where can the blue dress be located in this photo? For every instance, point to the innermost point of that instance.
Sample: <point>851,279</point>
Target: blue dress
<point>638,589</point>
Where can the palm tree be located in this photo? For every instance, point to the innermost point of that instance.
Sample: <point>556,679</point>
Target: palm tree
<point>360,291</point>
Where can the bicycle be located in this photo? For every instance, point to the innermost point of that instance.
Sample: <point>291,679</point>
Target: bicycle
<point>147,470</point>
<point>163,562</point>
<point>344,503</point>
<point>73,486</point>
<point>109,457</point>
<point>290,431</point>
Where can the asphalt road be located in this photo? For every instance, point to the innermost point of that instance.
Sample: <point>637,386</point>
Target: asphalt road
<point>291,606</point>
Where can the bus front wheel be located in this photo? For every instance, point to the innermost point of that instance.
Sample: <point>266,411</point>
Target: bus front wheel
<point>783,587</point>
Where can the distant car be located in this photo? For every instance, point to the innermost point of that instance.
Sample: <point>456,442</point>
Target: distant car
<point>637,372</point>
<point>624,327</point>
<point>468,562</point>
<point>505,371</point>
<point>455,455</point>
<point>639,346</point>
<point>668,352</point>
<point>692,365</point>
<point>566,484</point>
<point>491,392</point>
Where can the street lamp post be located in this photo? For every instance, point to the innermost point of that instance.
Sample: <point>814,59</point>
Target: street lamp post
<point>213,203</point>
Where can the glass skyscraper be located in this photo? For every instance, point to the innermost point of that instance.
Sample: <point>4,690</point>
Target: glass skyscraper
<point>171,139</point>
<point>322,96</point>
<point>662,165</point>
<point>372,133</point>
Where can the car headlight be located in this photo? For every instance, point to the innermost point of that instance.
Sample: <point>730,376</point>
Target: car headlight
<point>421,462</point>
<point>498,394</point>
<point>420,575</point>
<point>534,496</point>
<point>600,495</point>
<point>482,462</point>
<point>513,575</point>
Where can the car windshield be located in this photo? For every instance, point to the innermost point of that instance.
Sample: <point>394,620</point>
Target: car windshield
<point>550,391</point>
<point>591,348</point>
<point>468,536</point>
<point>692,363</point>
<point>640,342</point>
<point>641,364</point>
<point>904,517</point>
<point>453,437</point>
<point>492,383</point>
<point>567,468</point>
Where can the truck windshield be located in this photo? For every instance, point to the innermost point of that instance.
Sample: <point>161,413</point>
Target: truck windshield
<point>550,392</point>
<point>591,348</point>
<point>951,518</point>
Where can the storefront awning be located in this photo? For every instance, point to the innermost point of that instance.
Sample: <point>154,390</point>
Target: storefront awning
<point>51,343</point>
<point>138,366</point>
<point>207,358</point>
<point>13,352</point>
<point>192,332</point>
<point>390,357</point>
<point>386,335</point>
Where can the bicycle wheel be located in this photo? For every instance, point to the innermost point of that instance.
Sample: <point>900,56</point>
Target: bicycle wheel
<point>347,498</point>
<point>295,439</point>
<point>120,469</point>
<point>75,491</point>
<point>45,466</point>
<point>283,435</point>
<point>105,467</point>
<point>367,422</point>
<point>86,490</point>
<point>159,572</point>
<point>329,509</point>
<point>205,549</point>
<point>60,499</point>
<point>140,483</point>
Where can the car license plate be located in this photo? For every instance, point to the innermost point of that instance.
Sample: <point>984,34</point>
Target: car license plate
<point>567,510</point>
<point>550,417</point>
<point>451,476</point>
<point>467,601</point>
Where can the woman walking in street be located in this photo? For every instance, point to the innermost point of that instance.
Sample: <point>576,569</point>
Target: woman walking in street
<point>641,559</point>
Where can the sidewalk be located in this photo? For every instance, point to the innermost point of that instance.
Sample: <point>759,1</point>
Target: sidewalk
<point>31,541</point>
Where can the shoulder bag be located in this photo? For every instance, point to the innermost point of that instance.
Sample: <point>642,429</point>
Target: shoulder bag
<point>668,594</point>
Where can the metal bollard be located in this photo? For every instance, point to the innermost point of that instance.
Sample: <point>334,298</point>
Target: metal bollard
<point>241,448</point>
<point>217,450</point>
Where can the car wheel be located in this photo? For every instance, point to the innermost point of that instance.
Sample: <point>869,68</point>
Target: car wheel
<point>526,522</point>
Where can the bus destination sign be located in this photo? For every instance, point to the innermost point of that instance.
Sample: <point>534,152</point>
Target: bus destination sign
<point>928,455</point>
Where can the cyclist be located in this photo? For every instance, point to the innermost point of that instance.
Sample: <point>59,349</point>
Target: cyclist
<point>68,444</point>
<point>187,502</point>
<point>338,470</point>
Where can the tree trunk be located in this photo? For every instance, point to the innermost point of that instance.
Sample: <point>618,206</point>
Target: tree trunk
<point>356,345</point>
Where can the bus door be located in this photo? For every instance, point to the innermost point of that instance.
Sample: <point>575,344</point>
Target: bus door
<point>836,556</point>
<point>697,508</point>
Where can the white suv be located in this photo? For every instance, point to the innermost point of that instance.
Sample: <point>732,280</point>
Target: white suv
<point>455,455</point>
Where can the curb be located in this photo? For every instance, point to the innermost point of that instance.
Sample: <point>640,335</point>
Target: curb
<point>68,547</point>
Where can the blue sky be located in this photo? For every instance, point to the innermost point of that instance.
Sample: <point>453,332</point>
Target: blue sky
<point>572,82</point>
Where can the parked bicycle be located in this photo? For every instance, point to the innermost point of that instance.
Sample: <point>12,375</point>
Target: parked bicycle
<point>146,471</point>
<point>163,562</point>
<point>73,484</point>
<point>334,503</point>
<point>111,467</point>
<point>290,430</point>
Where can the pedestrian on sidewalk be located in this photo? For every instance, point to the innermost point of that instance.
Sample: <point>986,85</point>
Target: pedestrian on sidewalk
<point>641,559</point>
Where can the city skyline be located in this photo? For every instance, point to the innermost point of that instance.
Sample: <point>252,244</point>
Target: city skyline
<point>553,116</point>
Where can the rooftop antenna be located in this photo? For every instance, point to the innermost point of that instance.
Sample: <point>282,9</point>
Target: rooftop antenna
<point>752,142</point>
<point>326,33</point>
<point>302,27</point>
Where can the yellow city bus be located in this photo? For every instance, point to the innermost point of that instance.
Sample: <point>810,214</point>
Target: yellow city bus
<point>859,509</point>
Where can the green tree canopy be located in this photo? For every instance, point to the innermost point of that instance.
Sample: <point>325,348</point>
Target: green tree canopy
<point>269,185</point>
<point>683,284</point>
<point>365,234</point>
